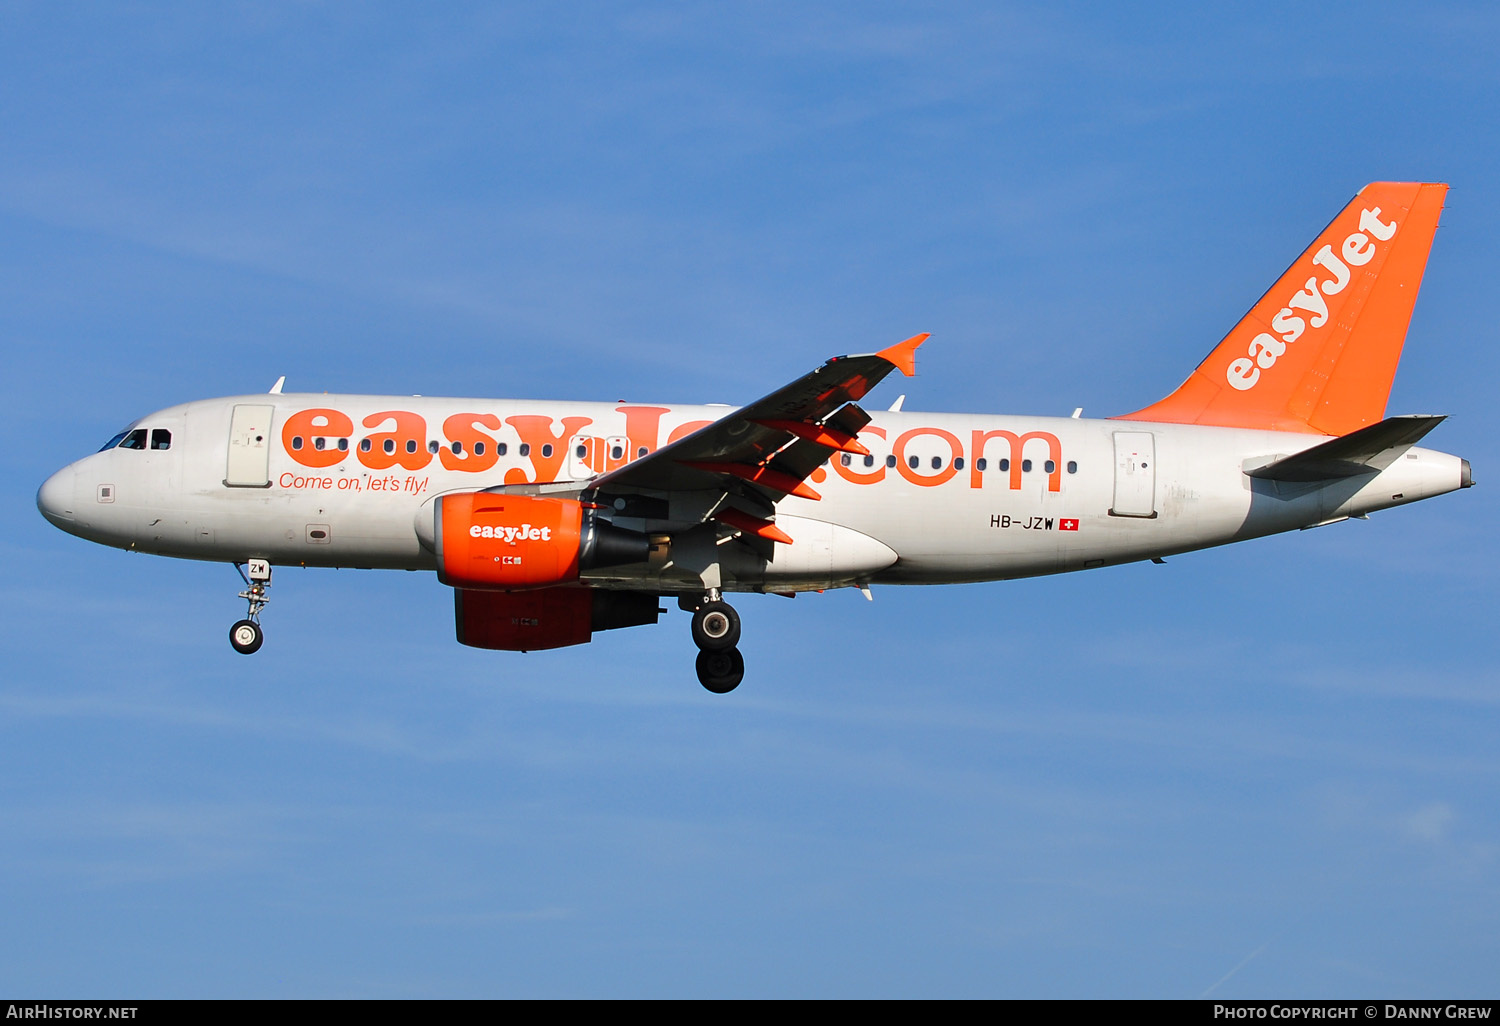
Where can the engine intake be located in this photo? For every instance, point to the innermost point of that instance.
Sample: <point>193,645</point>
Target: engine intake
<point>494,541</point>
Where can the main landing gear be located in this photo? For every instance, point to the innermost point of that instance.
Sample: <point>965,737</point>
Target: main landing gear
<point>716,631</point>
<point>246,635</point>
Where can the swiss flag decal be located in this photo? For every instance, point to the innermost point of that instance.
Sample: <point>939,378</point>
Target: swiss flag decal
<point>1067,525</point>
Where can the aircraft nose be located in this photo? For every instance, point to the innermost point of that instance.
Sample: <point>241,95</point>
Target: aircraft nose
<point>57,498</point>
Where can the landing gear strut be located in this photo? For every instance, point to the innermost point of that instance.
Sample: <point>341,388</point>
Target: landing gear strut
<point>246,635</point>
<point>716,631</point>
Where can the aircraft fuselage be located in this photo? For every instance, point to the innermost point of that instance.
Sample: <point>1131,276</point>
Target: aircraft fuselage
<point>343,481</point>
<point>554,520</point>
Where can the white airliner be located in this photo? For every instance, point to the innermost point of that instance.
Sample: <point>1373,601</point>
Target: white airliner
<point>553,520</point>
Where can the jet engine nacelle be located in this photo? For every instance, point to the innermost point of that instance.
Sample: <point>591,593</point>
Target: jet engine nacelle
<point>542,618</point>
<point>495,541</point>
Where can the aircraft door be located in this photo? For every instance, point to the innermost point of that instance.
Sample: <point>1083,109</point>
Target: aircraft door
<point>588,455</point>
<point>617,452</point>
<point>1135,474</point>
<point>249,464</point>
<point>583,457</point>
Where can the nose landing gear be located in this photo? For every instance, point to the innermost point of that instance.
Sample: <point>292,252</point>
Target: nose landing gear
<point>716,631</point>
<point>246,635</point>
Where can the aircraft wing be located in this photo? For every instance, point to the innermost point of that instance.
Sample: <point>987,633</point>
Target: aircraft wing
<point>766,450</point>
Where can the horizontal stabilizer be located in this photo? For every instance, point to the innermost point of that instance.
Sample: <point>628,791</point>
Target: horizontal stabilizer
<point>1366,451</point>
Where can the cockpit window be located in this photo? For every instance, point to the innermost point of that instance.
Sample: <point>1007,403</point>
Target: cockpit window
<point>161,438</point>
<point>135,439</point>
<point>114,441</point>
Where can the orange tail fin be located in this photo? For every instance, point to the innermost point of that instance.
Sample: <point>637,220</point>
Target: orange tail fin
<point>1319,351</point>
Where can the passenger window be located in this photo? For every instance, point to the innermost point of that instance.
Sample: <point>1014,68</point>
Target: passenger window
<point>364,445</point>
<point>547,451</point>
<point>582,451</point>
<point>1072,466</point>
<point>433,446</point>
<point>845,460</point>
<point>343,445</point>
<point>319,443</point>
<point>458,448</point>
<point>958,463</point>
<point>296,442</point>
<point>869,461</point>
<point>616,452</point>
<point>479,448</point>
<point>937,463</point>
<point>913,462</point>
<point>890,461</point>
<point>525,449</point>
<point>1025,466</point>
<point>982,464</point>
<point>161,438</point>
<point>1004,465</point>
<point>1049,466</point>
<point>390,446</point>
<point>641,452</point>
<point>411,445</point>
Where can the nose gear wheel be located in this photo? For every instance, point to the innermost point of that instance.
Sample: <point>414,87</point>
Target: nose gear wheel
<point>246,635</point>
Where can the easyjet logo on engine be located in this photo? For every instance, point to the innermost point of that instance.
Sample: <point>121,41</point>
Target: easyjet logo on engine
<point>511,535</point>
<point>1357,250</point>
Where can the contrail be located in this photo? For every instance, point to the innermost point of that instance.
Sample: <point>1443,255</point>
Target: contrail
<point>1243,962</point>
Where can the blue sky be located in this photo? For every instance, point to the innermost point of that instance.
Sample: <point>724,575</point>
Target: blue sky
<point>1267,770</point>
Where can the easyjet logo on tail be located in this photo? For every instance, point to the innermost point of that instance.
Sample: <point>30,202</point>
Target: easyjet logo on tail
<point>1357,250</point>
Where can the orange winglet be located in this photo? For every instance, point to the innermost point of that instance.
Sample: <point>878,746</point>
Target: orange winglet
<point>765,476</point>
<point>903,355</point>
<point>742,521</point>
<point>819,434</point>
